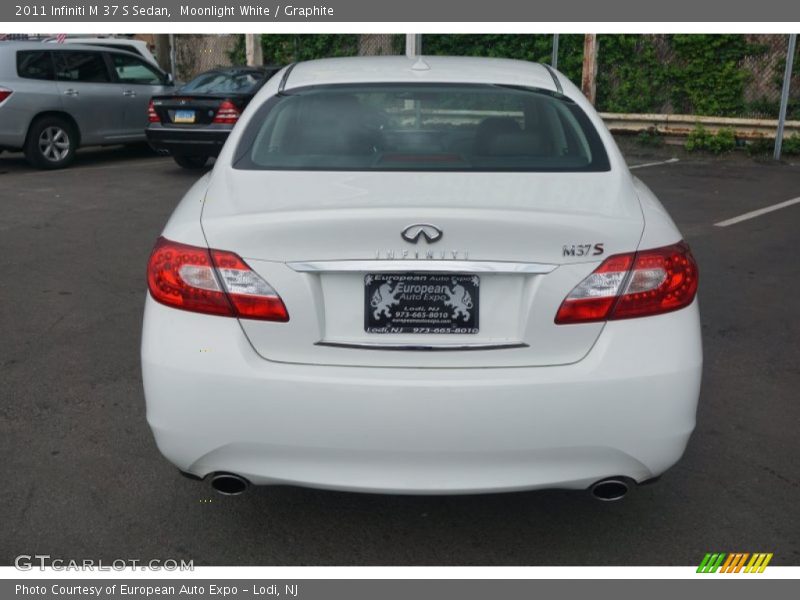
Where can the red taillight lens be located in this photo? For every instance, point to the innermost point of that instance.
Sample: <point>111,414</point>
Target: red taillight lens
<point>644,283</point>
<point>4,93</point>
<point>152,115</point>
<point>210,281</point>
<point>227,113</point>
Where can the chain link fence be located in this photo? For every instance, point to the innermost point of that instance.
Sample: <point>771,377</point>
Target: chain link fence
<point>728,75</point>
<point>765,76</point>
<point>380,44</point>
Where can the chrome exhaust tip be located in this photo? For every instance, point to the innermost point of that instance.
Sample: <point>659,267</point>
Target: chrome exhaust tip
<point>610,490</point>
<point>229,484</point>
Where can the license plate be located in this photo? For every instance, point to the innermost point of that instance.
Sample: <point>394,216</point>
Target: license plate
<point>184,116</point>
<point>421,303</point>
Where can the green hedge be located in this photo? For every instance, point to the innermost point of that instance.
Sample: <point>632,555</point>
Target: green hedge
<point>690,74</point>
<point>280,49</point>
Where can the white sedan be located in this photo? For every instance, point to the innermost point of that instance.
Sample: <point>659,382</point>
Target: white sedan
<point>422,276</point>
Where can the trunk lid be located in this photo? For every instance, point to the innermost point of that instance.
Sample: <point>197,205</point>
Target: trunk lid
<point>203,107</point>
<point>528,237</point>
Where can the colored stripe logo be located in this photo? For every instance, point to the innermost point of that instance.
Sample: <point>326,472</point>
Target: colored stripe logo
<point>734,562</point>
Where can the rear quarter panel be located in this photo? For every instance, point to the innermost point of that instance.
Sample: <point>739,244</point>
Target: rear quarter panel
<point>184,224</point>
<point>659,228</point>
<point>30,97</point>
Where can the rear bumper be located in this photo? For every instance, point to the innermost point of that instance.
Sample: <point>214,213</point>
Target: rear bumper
<point>207,140</point>
<point>11,140</point>
<point>15,118</point>
<point>627,409</point>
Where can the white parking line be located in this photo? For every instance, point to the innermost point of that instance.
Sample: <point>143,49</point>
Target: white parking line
<point>756,213</point>
<point>655,164</point>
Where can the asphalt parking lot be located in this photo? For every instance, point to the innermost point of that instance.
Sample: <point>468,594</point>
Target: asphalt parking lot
<point>82,477</point>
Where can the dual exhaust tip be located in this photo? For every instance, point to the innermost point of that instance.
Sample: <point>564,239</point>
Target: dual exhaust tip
<point>605,490</point>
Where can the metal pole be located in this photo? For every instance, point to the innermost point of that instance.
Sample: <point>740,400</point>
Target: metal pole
<point>787,79</point>
<point>411,49</point>
<point>172,56</point>
<point>554,57</point>
<point>413,44</point>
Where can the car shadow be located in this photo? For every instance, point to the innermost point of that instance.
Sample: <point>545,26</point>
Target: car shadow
<point>555,527</point>
<point>14,162</point>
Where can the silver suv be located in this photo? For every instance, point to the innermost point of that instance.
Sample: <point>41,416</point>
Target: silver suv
<point>53,100</point>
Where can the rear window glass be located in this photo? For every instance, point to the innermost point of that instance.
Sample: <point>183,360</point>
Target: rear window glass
<point>224,82</point>
<point>421,128</point>
<point>130,69</point>
<point>124,47</point>
<point>81,66</point>
<point>35,64</point>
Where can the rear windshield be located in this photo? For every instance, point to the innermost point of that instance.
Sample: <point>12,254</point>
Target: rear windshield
<point>224,82</point>
<point>421,128</point>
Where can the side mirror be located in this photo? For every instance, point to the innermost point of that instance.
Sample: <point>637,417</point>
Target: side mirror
<point>169,79</point>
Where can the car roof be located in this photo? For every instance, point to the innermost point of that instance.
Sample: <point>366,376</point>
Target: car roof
<point>17,45</point>
<point>432,69</point>
<point>102,40</point>
<point>241,69</point>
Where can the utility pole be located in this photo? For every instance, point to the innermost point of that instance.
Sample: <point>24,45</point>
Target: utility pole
<point>253,51</point>
<point>787,80</point>
<point>589,74</point>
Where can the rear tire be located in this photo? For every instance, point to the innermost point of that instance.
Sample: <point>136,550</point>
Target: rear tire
<point>51,143</point>
<point>190,162</point>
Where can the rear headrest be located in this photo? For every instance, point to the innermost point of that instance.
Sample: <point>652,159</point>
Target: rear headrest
<point>330,125</point>
<point>490,128</point>
<point>329,109</point>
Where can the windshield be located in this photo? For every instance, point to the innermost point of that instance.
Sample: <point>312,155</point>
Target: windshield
<point>217,82</point>
<point>421,127</point>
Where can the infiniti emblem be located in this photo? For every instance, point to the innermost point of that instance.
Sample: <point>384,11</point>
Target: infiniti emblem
<point>431,233</point>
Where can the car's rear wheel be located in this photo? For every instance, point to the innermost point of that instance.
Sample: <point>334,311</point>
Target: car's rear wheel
<point>51,143</point>
<point>190,162</point>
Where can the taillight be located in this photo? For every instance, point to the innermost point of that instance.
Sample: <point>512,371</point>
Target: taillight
<point>152,115</point>
<point>637,284</point>
<point>227,113</point>
<point>210,281</point>
<point>4,93</point>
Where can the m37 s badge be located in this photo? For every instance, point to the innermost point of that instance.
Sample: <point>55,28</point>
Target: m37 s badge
<point>583,249</point>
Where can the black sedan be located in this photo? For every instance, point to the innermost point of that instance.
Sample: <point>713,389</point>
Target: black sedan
<point>193,123</point>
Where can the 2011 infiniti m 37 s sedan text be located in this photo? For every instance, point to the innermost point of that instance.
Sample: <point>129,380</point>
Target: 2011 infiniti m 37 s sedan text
<point>421,275</point>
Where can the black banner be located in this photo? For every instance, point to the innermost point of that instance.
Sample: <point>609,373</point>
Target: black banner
<point>732,588</point>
